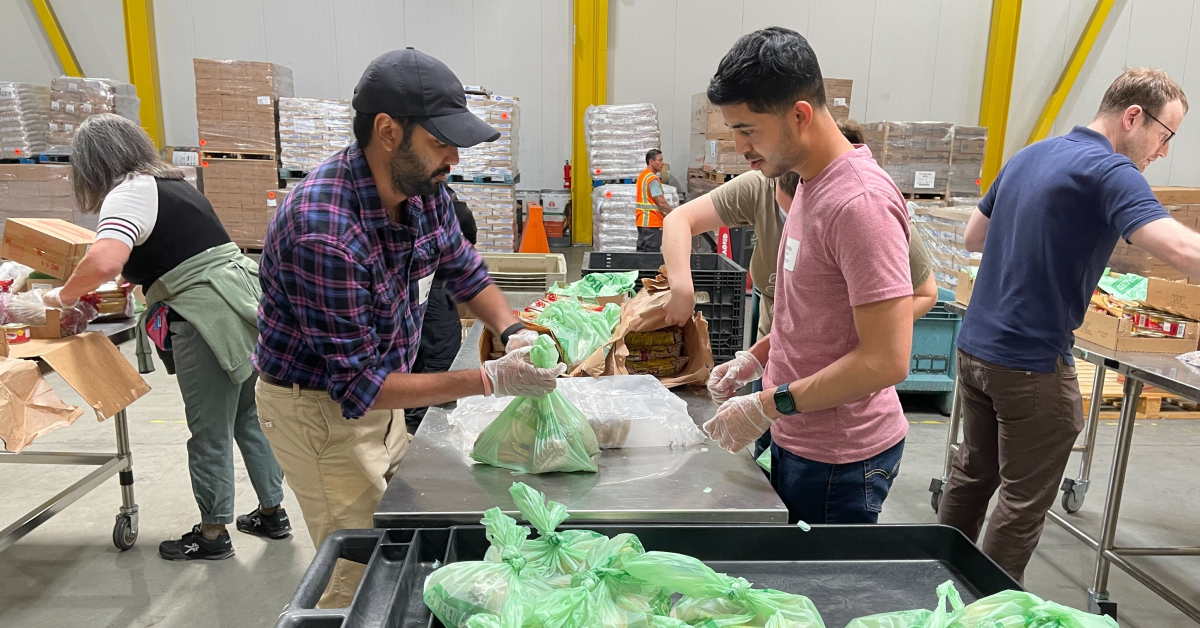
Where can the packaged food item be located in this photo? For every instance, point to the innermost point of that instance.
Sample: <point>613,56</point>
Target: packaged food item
<point>654,353</point>
<point>17,332</point>
<point>658,367</point>
<point>654,338</point>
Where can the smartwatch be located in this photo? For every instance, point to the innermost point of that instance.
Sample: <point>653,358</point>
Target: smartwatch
<point>784,402</point>
<point>507,333</point>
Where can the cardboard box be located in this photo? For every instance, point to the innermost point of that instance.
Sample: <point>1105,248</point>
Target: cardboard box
<point>1170,195</point>
<point>837,97</point>
<point>966,285</point>
<point>1117,334</point>
<point>93,366</point>
<point>40,191</point>
<point>1175,297</point>
<point>48,245</point>
<point>238,190</point>
<point>237,104</point>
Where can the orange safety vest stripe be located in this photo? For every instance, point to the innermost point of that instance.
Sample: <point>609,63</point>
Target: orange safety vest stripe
<point>648,214</point>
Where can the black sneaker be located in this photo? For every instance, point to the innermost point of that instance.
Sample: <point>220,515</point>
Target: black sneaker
<point>273,526</point>
<point>193,546</point>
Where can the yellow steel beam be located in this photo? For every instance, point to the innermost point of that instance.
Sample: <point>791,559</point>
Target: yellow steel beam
<point>58,40</point>
<point>997,83</point>
<point>141,49</point>
<point>590,78</point>
<point>1066,80</point>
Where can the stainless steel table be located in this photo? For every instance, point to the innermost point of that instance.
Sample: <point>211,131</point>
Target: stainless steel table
<point>125,530</point>
<point>437,484</point>
<point>1157,369</point>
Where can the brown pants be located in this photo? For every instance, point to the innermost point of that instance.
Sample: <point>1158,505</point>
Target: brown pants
<point>1018,431</point>
<point>337,467</point>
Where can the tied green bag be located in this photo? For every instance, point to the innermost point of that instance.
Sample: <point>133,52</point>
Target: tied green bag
<point>542,434</point>
<point>920,618</point>
<point>459,591</point>
<point>716,600</point>
<point>579,332</point>
<point>552,553</point>
<point>599,285</point>
<point>1017,609</point>
<point>617,598</point>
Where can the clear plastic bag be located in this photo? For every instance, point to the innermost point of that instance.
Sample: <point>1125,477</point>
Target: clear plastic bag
<point>624,411</point>
<point>539,435</point>
<point>458,591</point>
<point>719,600</point>
<point>13,276</point>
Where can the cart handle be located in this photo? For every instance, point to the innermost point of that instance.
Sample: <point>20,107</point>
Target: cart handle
<point>352,545</point>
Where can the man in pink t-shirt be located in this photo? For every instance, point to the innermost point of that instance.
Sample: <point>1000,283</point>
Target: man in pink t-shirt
<point>843,298</point>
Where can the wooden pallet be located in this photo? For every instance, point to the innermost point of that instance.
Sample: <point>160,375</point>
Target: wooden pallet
<point>19,160</point>
<point>1154,403</point>
<point>718,177</point>
<point>924,196</point>
<point>223,154</point>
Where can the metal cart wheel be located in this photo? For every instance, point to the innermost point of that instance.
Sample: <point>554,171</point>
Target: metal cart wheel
<point>1072,499</point>
<point>936,487</point>
<point>124,534</point>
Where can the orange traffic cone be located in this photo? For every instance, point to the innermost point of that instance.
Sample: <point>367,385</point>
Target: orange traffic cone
<point>534,239</point>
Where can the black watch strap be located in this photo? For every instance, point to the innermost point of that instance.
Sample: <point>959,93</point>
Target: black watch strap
<point>785,404</point>
<point>507,333</point>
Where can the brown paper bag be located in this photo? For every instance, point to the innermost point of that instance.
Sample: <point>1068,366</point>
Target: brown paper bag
<point>592,365</point>
<point>29,407</point>
<point>647,312</point>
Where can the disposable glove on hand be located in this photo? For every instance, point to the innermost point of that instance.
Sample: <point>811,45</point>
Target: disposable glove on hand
<point>53,298</point>
<point>514,375</point>
<point>523,338</point>
<point>727,378</point>
<point>739,422</point>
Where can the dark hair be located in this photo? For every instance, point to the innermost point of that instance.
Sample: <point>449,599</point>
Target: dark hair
<point>651,154</point>
<point>788,182</point>
<point>851,131</point>
<point>105,150</point>
<point>769,70</point>
<point>364,127</point>
<point>1147,88</point>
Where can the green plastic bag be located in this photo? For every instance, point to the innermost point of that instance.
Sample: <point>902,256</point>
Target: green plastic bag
<point>717,600</point>
<point>1051,615</point>
<point>1003,610</point>
<point>599,285</point>
<point>459,591</point>
<point>617,598</point>
<point>565,608</point>
<point>552,553</point>
<point>920,618</point>
<point>579,332</point>
<point>539,435</point>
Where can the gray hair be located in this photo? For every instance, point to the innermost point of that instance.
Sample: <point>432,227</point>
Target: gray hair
<point>106,149</point>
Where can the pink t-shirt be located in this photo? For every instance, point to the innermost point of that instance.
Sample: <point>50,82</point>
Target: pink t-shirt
<point>845,244</point>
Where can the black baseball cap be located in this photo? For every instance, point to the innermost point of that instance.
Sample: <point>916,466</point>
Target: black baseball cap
<point>411,84</point>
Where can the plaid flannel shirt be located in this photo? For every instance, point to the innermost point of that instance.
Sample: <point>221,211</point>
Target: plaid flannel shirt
<point>345,287</point>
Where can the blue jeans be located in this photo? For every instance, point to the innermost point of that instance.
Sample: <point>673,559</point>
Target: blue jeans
<point>764,442</point>
<point>816,492</point>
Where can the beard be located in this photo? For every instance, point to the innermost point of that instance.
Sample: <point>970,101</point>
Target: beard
<point>410,175</point>
<point>789,154</point>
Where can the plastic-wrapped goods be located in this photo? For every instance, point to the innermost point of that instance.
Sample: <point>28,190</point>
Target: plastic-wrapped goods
<point>503,113</point>
<point>236,104</point>
<point>494,208</point>
<point>614,222</point>
<point>24,119</point>
<point>74,99</point>
<point>539,435</point>
<point>624,411</point>
<point>721,599</point>
<point>27,308</point>
<point>459,591</point>
<point>943,230</point>
<point>618,137</point>
<point>13,276</point>
<point>311,130</point>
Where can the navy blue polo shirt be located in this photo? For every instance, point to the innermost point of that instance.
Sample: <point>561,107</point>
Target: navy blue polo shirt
<point>1056,209</point>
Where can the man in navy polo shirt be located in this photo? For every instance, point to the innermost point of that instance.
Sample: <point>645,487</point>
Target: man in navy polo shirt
<point>1047,227</point>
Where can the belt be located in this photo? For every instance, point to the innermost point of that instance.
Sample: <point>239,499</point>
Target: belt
<point>275,381</point>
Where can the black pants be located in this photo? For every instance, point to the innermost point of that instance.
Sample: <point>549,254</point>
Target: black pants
<point>649,239</point>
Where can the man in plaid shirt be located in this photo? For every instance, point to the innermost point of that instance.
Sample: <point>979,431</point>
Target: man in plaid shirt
<point>346,270</point>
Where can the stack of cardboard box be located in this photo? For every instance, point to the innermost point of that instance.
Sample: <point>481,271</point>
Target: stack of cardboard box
<point>24,119</point>
<point>1184,205</point>
<point>942,229</point>
<point>74,99</point>
<point>837,97</point>
<point>711,141</point>
<point>40,191</point>
<point>494,209</point>
<point>554,213</point>
<point>966,160</point>
<point>235,187</point>
<point>929,157</point>
<point>498,158</point>
<point>312,129</point>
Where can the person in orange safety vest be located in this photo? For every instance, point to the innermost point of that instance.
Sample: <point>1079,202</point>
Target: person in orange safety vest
<point>651,204</point>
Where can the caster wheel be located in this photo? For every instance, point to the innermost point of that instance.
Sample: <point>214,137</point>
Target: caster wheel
<point>935,500</point>
<point>1072,500</point>
<point>124,536</point>
<point>936,487</point>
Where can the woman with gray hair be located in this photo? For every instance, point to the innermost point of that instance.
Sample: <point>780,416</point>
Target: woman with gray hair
<point>202,296</point>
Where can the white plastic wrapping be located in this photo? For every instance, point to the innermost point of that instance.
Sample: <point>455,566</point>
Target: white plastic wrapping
<point>624,411</point>
<point>618,137</point>
<point>24,119</point>
<point>503,113</point>
<point>74,99</point>
<point>311,130</point>
<point>614,220</point>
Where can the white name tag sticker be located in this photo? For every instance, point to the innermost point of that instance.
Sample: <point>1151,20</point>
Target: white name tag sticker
<point>423,286</point>
<point>789,254</point>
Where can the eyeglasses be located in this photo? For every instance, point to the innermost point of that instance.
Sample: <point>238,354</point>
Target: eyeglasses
<point>1145,111</point>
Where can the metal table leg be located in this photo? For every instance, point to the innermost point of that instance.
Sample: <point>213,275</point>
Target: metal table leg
<point>1075,489</point>
<point>938,485</point>
<point>125,530</point>
<point>1098,601</point>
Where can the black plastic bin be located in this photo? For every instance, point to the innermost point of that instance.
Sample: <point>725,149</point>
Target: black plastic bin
<point>848,571</point>
<point>715,275</point>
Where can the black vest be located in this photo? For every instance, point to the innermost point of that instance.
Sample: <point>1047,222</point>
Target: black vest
<point>186,225</point>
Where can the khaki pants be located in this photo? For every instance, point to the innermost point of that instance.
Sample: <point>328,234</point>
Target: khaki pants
<point>1018,431</point>
<point>337,467</point>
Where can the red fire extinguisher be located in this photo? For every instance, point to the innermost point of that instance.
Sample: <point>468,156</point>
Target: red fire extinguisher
<point>567,175</point>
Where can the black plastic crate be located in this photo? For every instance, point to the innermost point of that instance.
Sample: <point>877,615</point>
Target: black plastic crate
<point>715,275</point>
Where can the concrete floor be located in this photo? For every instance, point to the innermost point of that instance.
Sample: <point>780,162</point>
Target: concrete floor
<point>67,572</point>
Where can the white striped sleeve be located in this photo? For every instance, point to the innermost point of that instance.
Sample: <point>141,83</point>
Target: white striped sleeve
<point>130,211</point>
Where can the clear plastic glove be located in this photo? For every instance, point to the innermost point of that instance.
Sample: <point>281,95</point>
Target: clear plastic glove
<point>523,338</point>
<point>739,422</point>
<point>727,378</point>
<point>514,375</point>
<point>53,298</point>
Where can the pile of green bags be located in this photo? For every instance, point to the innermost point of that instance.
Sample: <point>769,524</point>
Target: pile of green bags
<point>539,434</point>
<point>579,332</point>
<point>1007,609</point>
<point>599,285</point>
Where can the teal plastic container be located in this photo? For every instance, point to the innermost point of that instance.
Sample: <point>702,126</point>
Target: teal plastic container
<point>932,367</point>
